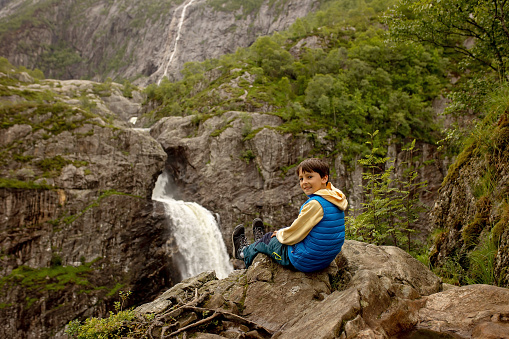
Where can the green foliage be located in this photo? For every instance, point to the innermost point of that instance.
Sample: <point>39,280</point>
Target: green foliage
<point>474,267</point>
<point>53,278</point>
<point>391,205</point>
<point>469,95</point>
<point>451,272</point>
<point>151,11</point>
<point>103,89</point>
<point>94,328</point>
<point>127,89</point>
<point>52,117</point>
<point>39,97</point>
<point>118,324</point>
<point>15,183</point>
<point>487,139</point>
<point>248,6</point>
<point>53,166</point>
<point>56,260</point>
<point>485,147</point>
<point>59,57</point>
<point>226,125</point>
<point>451,23</point>
<point>350,81</point>
<point>10,70</point>
<point>482,263</point>
<point>247,156</point>
<point>247,128</point>
<point>503,222</point>
<point>25,14</point>
<point>87,104</point>
<point>116,289</point>
<point>5,66</point>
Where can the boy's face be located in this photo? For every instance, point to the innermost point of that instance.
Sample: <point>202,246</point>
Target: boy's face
<point>310,182</point>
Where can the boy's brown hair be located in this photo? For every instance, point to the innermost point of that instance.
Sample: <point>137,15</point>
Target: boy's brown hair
<point>314,165</point>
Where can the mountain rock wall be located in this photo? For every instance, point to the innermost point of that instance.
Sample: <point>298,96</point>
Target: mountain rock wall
<point>125,39</point>
<point>77,222</point>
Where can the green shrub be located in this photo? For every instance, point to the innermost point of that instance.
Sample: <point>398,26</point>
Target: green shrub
<point>127,89</point>
<point>117,325</point>
<point>247,156</point>
<point>53,166</point>
<point>482,262</point>
<point>15,183</point>
<point>113,326</point>
<point>51,278</point>
<point>103,89</point>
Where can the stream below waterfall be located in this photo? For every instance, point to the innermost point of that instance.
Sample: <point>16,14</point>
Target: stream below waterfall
<point>196,234</point>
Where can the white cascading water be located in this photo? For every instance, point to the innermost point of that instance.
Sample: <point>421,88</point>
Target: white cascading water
<point>186,4</point>
<point>196,233</point>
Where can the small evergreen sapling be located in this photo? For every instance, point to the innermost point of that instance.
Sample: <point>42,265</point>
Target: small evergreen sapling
<point>390,206</point>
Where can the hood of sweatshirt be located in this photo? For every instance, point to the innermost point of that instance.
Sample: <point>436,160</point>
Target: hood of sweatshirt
<point>333,195</point>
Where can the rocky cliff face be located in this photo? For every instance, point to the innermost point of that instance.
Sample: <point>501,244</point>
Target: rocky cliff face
<point>133,40</point>
<point>471,211</point>
<point>368,292</point>
<point>239,177</point>
<point>77,223</point>
<point>78,180</point>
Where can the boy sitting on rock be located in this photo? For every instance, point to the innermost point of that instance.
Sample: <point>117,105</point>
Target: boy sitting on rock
<point>315,238</point>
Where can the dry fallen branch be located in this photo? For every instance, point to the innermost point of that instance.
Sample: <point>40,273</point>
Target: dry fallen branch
<point>174,313</point>
<point>198,323</point>
<point>230,316</point>
<point>192,306</point>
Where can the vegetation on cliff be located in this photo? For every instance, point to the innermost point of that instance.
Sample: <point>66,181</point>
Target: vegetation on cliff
<point>333,70</point>
<point>472,244</point>
<point>470,241</point>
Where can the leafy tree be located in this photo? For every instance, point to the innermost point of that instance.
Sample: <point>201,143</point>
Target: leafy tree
<point>268,54</point>
<point>476,29</point>
<point>319,87</point>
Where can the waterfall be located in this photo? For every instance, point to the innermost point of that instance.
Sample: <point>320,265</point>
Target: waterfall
<point>196,233</point>
<point>179,28</point>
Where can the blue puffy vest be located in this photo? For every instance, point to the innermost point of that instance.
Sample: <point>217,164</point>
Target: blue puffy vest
<point>321,246</point>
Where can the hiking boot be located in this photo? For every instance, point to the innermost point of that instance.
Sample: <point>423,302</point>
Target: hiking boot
<point>258,229</point>
<point>239,241</point>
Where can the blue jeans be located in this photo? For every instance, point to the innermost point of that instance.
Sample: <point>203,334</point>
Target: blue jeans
<point>270,246</point>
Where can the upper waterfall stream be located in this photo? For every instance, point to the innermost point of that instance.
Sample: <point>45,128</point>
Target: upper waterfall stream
<point>196,233</point>
<point>167,61</point>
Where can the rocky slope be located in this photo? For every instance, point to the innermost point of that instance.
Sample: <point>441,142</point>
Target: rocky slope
<point>368,292</point>
<point>134,40</point>
<point>471,213</point>
<point>77,223</point>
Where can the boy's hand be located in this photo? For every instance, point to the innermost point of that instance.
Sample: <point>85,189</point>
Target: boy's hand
<point>273,234</point>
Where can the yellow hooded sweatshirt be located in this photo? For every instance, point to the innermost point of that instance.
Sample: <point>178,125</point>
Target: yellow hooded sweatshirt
<point>310,215</point>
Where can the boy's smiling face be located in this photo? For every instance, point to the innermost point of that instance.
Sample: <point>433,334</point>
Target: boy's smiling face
<point>310,182</point>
